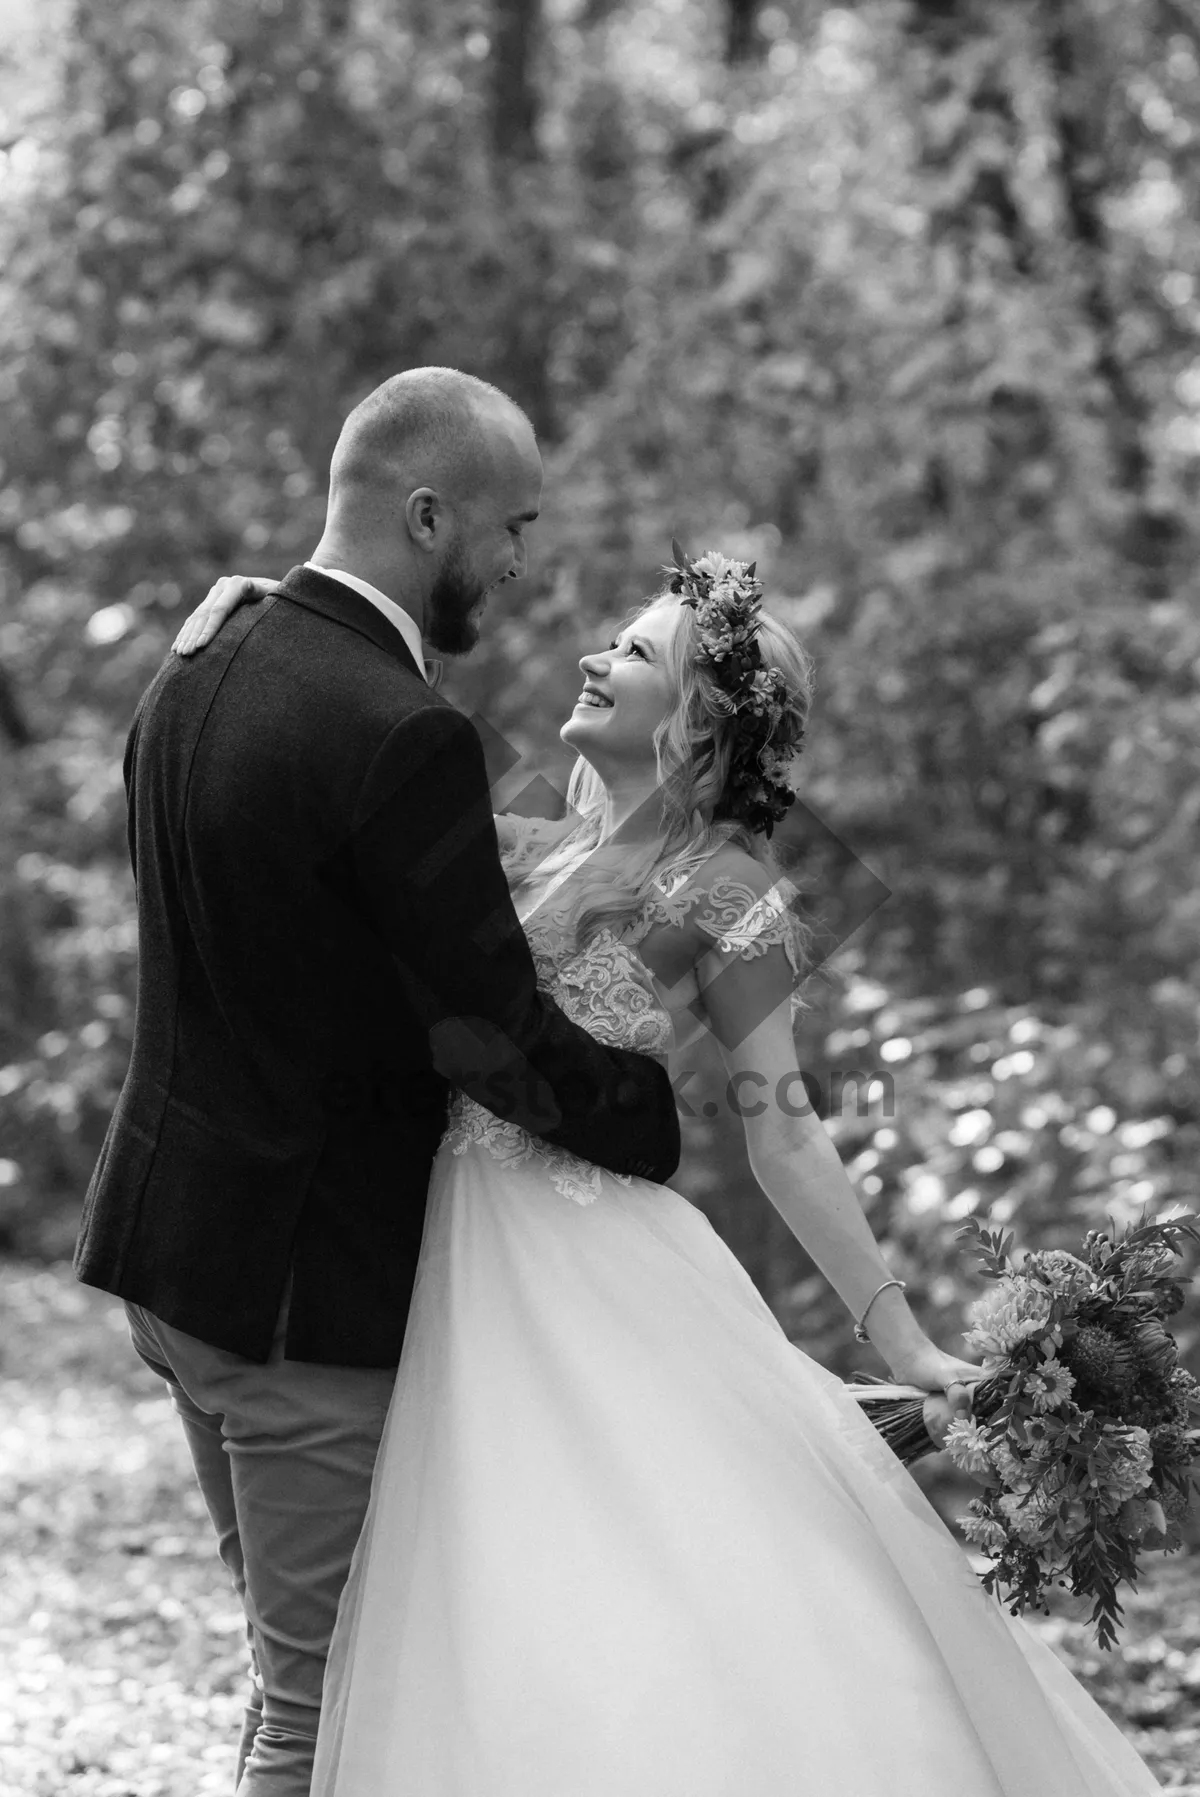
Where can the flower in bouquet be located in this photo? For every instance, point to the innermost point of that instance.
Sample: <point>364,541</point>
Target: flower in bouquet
<point>1143,1520</point>
<point>1050,1385</point>
<point>982,1529</point>
<point>1013,1311</point>
<point>1098,1357</point>
<point>1066,1272</point>
<point>967,1444</point>
<point>1029,1513</point>
<point>1019,1463</point>
<point>1119,1466</point>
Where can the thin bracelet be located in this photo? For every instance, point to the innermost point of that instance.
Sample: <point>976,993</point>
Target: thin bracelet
<point>860,1333</point>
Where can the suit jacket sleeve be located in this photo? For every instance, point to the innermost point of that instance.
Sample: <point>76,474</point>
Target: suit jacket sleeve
<point>427,866</point>
<point>128,766</point>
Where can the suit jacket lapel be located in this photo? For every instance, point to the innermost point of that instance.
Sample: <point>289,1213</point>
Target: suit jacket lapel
<point>342,605</point>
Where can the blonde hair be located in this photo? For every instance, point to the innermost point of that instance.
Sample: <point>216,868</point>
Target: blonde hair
<point>694,747</point>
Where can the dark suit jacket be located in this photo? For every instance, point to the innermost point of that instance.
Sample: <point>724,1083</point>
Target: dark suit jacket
<point>326,941</point>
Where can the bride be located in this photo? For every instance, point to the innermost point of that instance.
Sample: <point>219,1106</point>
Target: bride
<point>624,1539</point>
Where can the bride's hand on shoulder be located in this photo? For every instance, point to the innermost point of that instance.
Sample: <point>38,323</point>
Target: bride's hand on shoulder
<point>219,603</point>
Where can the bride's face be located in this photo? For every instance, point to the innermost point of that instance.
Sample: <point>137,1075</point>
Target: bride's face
<point>627,692</point>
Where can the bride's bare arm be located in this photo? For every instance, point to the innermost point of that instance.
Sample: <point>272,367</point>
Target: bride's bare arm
<point>221,600</point>
<point>747,997</point>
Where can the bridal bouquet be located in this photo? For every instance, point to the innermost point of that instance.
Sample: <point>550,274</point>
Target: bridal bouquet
<point>1084,1426</point>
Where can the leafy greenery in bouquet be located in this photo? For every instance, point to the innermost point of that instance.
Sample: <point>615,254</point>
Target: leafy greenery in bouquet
<point>1082,1430</point>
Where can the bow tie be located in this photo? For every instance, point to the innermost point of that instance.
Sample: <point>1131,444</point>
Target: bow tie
<point>434,670</point>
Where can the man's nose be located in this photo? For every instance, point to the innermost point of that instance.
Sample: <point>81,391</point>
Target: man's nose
<point>520,560</point>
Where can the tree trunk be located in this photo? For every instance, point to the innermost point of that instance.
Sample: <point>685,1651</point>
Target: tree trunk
<point>516,28</point>
<point>1085,174</point>
<point>741,30</point>
<point>515,104</point>
<point>12,717</point>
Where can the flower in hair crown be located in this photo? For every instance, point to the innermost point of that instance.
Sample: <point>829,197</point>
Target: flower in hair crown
<point>767,732</point>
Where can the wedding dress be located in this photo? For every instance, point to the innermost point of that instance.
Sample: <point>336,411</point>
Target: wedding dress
<point>625,1540</point>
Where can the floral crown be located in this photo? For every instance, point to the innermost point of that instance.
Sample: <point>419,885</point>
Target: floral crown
<point>767,733</point>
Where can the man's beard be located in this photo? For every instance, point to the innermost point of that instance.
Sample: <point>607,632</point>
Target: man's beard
<point>449,624</point>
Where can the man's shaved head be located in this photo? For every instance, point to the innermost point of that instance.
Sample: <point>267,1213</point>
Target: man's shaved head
<point>427,427</point>
<point>434,477</point>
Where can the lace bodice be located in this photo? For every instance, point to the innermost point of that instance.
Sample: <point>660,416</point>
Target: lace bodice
<point>605,986</point>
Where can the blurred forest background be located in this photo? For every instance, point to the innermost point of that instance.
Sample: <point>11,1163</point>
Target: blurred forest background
<point>898,298</point>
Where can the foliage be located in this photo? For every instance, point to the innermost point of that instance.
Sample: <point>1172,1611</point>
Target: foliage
<point>897,301</point>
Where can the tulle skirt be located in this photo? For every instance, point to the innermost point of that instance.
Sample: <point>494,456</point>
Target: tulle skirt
<point>625,1540</point>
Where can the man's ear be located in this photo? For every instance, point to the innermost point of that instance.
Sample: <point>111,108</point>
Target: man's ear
<point>426,518</point>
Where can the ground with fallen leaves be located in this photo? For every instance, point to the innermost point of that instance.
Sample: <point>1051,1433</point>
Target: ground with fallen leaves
<point>122,1659</point>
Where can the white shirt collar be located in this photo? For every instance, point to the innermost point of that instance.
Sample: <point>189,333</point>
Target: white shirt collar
<point>395,614</point>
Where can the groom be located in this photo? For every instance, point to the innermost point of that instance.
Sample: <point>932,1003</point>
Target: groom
<point>327,948</point>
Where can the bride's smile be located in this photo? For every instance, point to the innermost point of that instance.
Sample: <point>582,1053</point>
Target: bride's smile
<point>628,691</point>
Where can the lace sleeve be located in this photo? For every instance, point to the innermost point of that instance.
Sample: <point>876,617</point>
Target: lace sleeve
<point>747,937</point>
<point>742,921</point>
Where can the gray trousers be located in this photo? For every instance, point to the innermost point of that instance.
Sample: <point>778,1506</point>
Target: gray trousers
<point>284,1454</point>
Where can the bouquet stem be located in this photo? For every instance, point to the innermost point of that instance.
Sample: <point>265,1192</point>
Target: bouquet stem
<point>898,1412</point>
